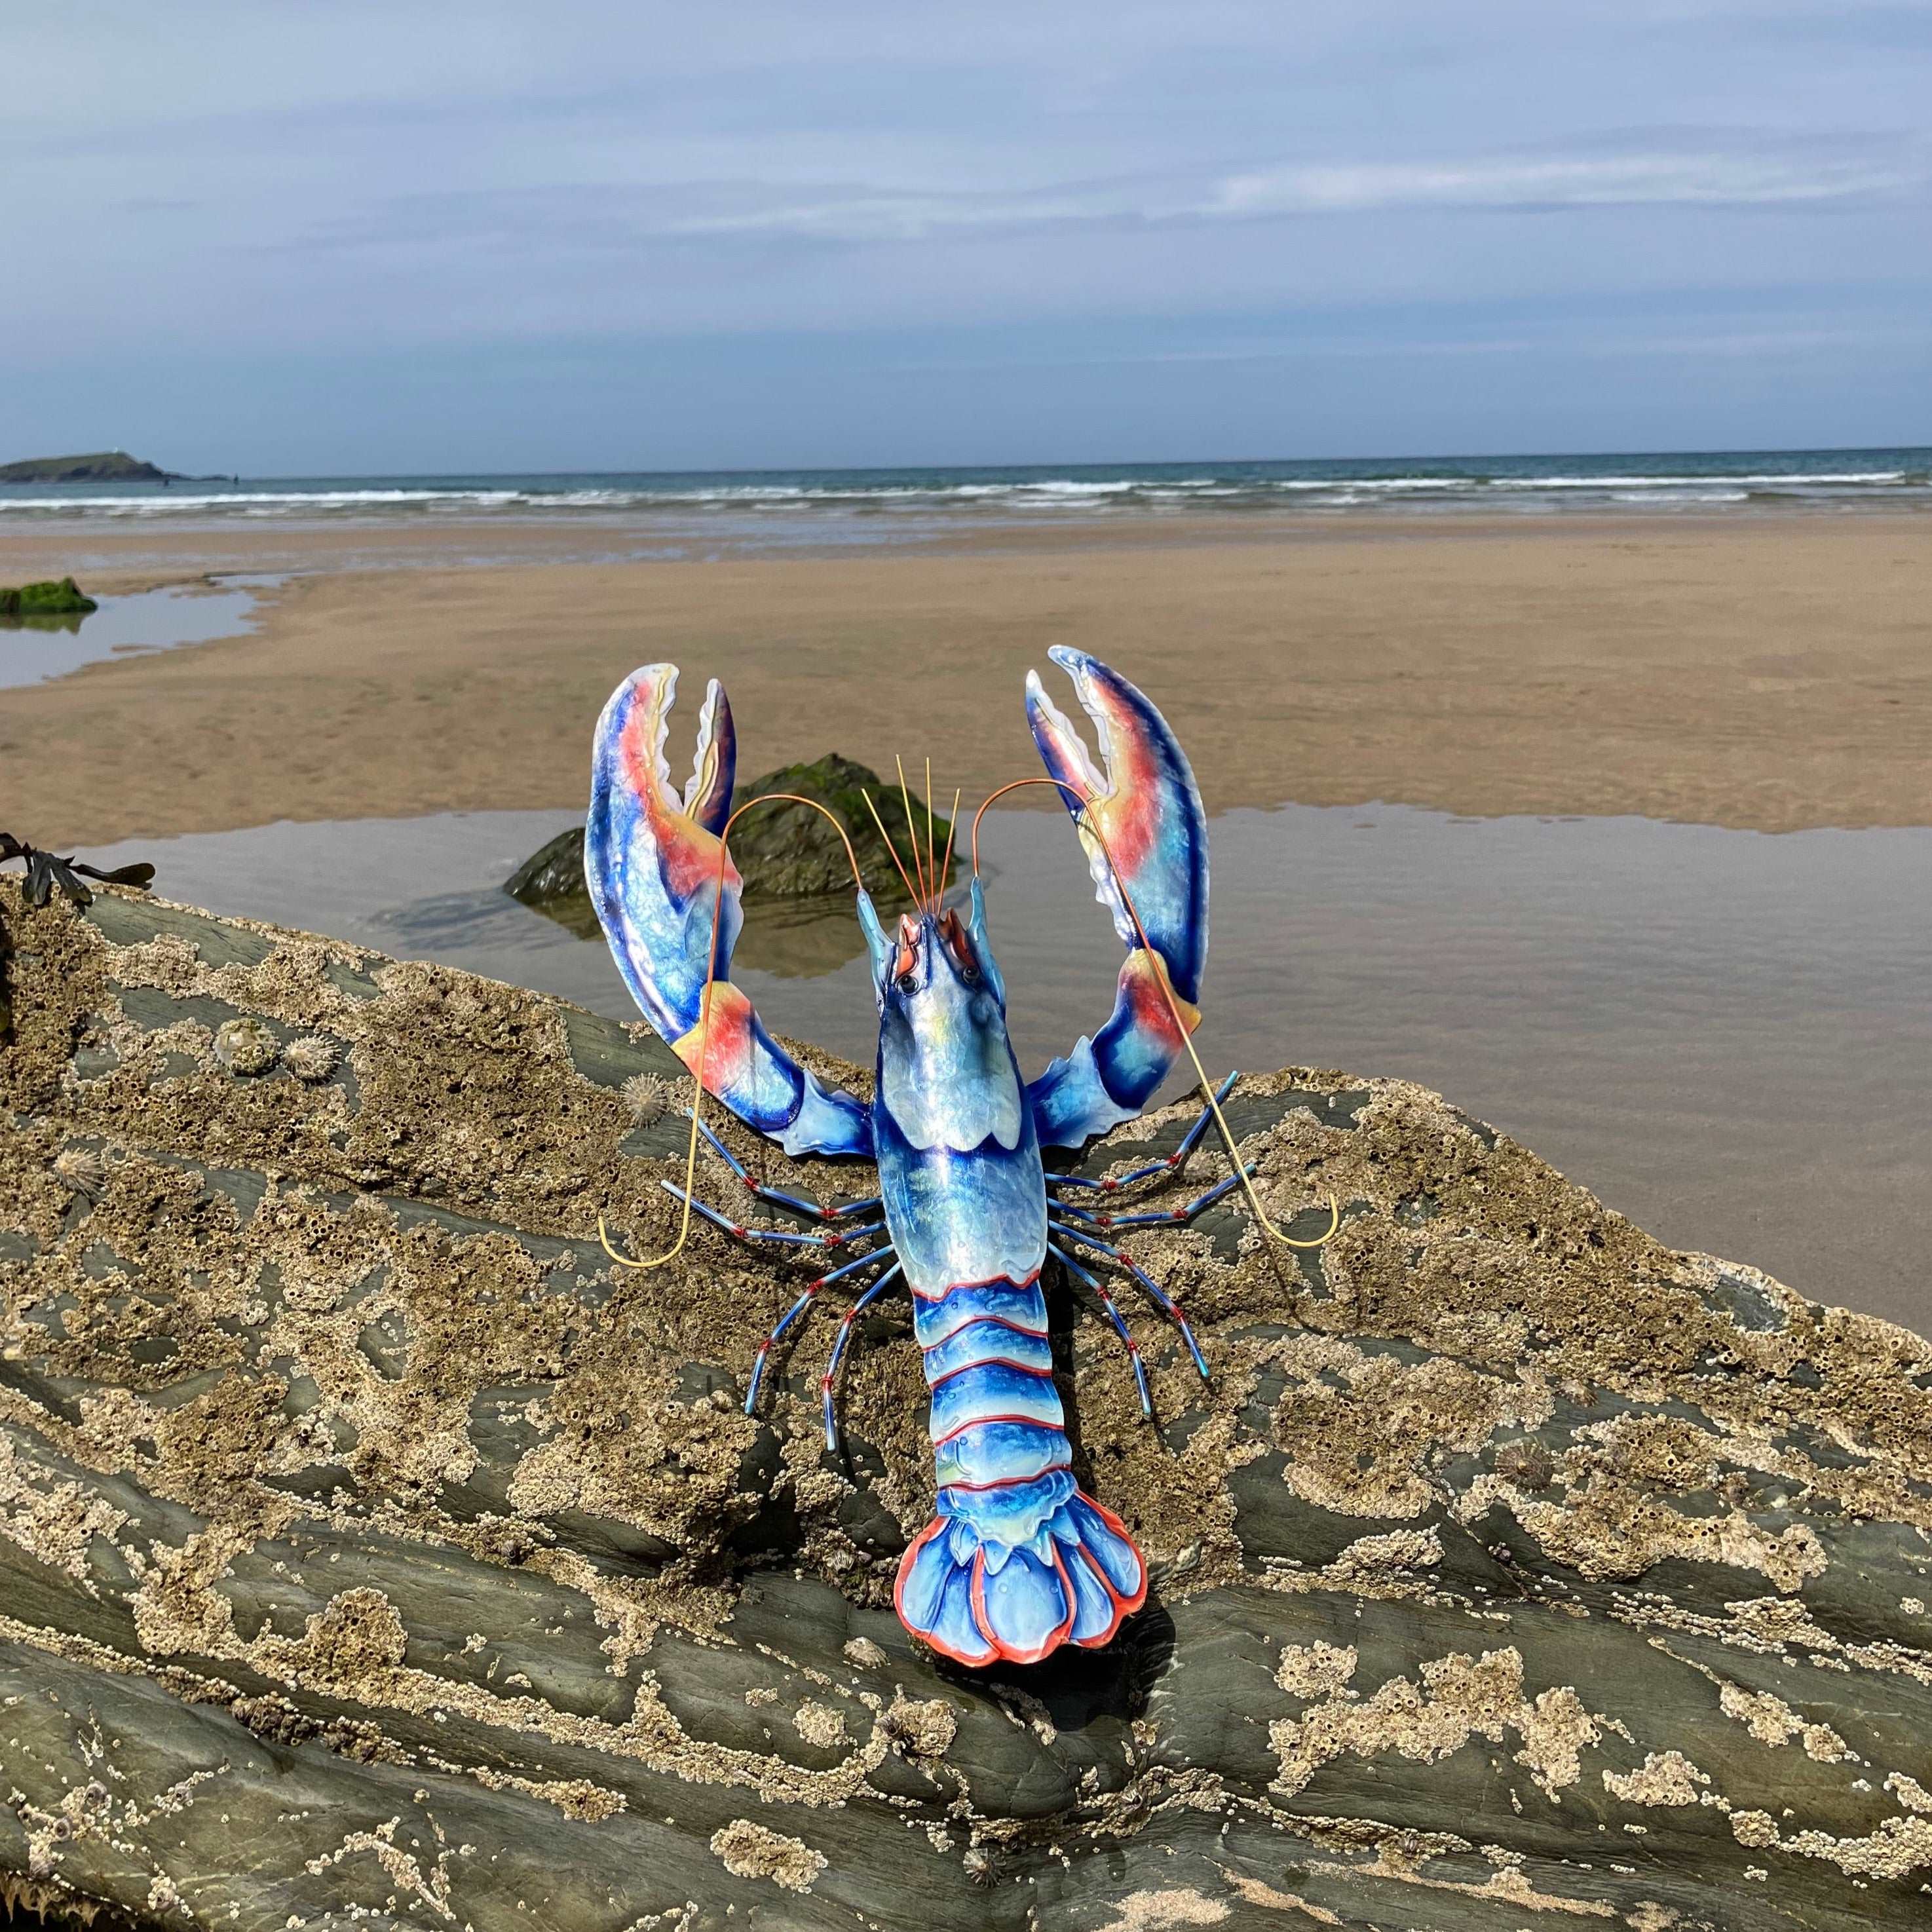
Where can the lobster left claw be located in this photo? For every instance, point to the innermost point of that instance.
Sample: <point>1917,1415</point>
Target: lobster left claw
<point>1150,826</point>
<point>651,861</point>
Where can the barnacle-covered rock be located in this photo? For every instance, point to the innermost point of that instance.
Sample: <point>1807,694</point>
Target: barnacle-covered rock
<point>374,1551</point>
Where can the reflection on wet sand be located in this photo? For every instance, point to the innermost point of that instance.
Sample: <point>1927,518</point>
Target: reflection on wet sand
<point>69,621</point>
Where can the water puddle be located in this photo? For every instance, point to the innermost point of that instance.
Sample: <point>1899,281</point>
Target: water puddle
<point>33,649</point>
<point>1725,1035</point>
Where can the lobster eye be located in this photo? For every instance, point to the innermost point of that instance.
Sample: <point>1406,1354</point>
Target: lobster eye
<point>905,982</point>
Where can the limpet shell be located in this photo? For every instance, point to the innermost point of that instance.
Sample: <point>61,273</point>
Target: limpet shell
<point>1527,1464</point>
<point>245,1045</point>
<point>83,1170</point>
<point>313,1057</point>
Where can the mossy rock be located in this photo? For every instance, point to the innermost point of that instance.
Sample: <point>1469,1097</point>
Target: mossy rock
<point>64,598</point>
<point>784,851</point>
<point>376,1553</point>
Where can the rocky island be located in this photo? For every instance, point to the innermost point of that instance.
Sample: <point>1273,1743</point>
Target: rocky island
<point>374,1552</point>
<point>112,466</point>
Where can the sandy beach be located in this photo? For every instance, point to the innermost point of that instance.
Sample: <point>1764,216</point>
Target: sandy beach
<point>1768,672</point>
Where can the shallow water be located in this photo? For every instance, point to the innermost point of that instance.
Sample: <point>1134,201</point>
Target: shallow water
<point>1723,1034</point>
<point>33,649</point>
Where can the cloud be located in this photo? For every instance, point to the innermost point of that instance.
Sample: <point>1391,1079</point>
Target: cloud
<point>1710,176</point>
<point>1687,173</point>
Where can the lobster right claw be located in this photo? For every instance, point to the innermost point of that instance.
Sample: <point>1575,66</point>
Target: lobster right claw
<point>651,858</point>
<point>1147,809</point>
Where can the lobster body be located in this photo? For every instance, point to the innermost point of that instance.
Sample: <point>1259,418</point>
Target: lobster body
<point>1017,1559</point>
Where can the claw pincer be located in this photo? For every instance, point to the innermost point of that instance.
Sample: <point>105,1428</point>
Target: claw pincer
<point>651,861</point>
<point>1144,815</point>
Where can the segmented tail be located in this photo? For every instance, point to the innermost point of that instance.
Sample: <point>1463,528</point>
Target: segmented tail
<point>1019,1559</point>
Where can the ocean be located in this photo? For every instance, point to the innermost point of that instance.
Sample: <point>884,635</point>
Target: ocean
<point>873,502</point>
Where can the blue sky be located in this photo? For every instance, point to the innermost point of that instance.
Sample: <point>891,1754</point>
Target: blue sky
<point>400,236</point>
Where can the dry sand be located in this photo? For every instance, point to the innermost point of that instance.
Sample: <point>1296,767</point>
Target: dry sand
<point>1767,671</point>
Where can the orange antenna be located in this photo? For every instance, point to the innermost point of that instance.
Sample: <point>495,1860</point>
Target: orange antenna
<point>945,864</point>
<point>912,831</point>
<point>890,847</point>
<point>1088,824</point>
<point>704,1021</point>
<point>929,866</point>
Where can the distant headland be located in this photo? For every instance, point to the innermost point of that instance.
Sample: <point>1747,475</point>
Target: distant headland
<point>110,466</point>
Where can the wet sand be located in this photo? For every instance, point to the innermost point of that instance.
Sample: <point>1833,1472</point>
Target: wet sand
<point>1765,671</point>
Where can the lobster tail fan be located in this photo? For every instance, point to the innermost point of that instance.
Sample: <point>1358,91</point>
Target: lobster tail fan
<point>980,1601</point>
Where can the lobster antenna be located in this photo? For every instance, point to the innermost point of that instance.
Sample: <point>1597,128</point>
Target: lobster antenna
<point>930,867</point>
<point>888,838</point>
<point>1087,822</point>
<point>946,865</point>
<point>912,834</point>
<point>704,1021</point>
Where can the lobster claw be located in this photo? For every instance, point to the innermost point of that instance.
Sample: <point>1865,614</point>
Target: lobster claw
<point>651,861</point>
<point>1144,810</point>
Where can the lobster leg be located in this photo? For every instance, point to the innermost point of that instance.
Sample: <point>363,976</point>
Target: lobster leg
<point>1161,1299</point>
<point>798,1203</point>
<point>1189,1141</point>
<point>1167,1217</point>
<point>1106,1301</point>
<point>798,1307</point>
<point>829,1384</point>
<point>784,1237</point>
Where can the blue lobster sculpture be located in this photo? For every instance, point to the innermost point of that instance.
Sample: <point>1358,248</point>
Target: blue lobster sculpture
<point>1017,1559</point>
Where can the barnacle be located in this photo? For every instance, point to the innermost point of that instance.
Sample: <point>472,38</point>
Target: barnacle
<point>649,1098</point>
<point>244,1045</point>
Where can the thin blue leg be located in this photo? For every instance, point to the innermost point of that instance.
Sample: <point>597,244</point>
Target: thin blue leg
<point>1167,1217</point>
<point>845,1322</point>
<point>797,1309</point>
<point>787,1238</point>
<point>1162,1299</point>
<point>1189,1141</point>
<point>799,1203</point>
<point>1106,1301</point>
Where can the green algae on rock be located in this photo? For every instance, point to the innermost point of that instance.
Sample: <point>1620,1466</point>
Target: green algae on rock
<point>372,1549</point>
<point>782,850</point>
<point>63,597</point>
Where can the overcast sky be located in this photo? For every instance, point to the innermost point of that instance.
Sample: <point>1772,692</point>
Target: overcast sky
<point>346,237</point>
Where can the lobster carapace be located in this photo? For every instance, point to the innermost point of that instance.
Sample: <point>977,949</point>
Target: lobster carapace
<point>1017,1559</point>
